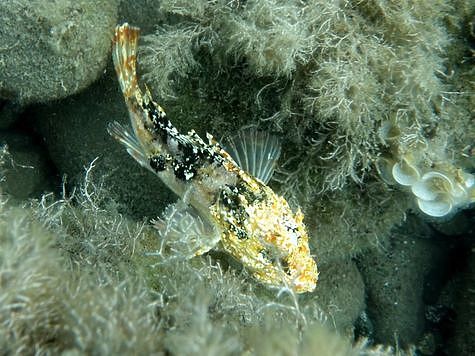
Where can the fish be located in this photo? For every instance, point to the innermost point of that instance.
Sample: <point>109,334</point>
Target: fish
<point>237,211</point>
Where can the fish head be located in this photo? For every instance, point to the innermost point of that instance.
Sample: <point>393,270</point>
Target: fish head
<point>284,240</point>
<point>268,238</point>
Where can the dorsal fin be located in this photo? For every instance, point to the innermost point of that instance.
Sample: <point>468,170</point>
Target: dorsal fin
<point>256,152</point>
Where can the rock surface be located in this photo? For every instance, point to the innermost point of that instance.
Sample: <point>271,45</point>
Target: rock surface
<point>50,50</point>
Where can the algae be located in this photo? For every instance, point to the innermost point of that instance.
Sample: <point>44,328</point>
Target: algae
<point>78,277</point>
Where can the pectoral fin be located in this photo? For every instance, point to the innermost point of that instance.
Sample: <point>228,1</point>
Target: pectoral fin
<point>184,232</point>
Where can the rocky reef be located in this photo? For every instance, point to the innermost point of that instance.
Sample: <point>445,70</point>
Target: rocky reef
<point>373,103</point>
<point>53,50</point>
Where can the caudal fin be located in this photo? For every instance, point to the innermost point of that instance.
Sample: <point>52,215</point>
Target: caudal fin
<point>124,56</point>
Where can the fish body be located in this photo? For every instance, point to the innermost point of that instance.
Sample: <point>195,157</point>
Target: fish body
<point>250,222</point>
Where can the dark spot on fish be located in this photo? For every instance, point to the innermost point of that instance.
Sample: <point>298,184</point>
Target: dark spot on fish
<point>229,197</point>
<point>285,266</point>
<point>251,196</point>
<point>159,120</point>
<point>183,171</point>
<point>158,163</point>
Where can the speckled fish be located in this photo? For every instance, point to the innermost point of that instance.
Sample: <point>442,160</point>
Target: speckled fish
<point>239,212</point>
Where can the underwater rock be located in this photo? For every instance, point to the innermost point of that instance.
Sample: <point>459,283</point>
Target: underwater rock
<point>394,279</point>
<point>9,113</point>
<point>340,293</point>
<point>459,224</point>
<point>347,223</point>
<point>25,167</point>
<point>145,14</point>
<point>463,342</point>
<point>75,133</point>
<point>50,50</point>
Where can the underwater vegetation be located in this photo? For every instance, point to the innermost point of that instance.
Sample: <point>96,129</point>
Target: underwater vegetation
<point>372,102</point>
<point>331,74</point>
<point>74,279</point>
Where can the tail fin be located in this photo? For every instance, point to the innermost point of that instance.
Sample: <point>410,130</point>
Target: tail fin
<point>124,55</point>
